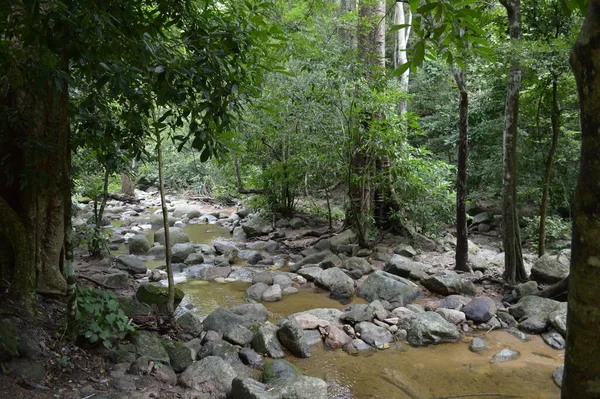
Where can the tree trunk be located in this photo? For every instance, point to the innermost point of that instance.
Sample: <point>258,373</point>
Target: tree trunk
<point>582,367</point>
<point>34,151</point>
<point>548,169</point>
<point>127,185</point>
<point>165,214</point>
<point>401,42</point>
<point>514,271</point>
<point>371,46</point>
<point>462,243</point>
<point>348,30</point>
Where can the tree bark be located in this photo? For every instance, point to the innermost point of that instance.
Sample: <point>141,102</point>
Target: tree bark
<point>514,271</point>
<point>401,42</point>
<point>547,171</point>
<point>165,214</point>
<point>462,243</point>
<point>582,368</point>
<point>127,185</point>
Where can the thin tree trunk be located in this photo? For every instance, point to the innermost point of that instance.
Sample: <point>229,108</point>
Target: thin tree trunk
<point>238,176</point>
<point>548,169</point>
<point>582,366</point>
<point>514,271</point>
<point>68,250</point>
<point>165,215</point>
<point>462,243</point>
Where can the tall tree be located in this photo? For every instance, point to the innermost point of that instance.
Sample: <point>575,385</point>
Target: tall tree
<point>462,243</point>
<point>514,271</point>
<point>371,48</point>
<point>582,368</point>
<point>402,24</point>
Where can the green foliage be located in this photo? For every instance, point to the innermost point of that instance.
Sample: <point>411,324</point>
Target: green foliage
<point>95,239</point>
<point>99,317</point>
<point>557,229</point>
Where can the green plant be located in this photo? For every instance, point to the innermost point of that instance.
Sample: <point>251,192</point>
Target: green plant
<point>95,239</point>
<point>557,228</point>
<point>99,316</point>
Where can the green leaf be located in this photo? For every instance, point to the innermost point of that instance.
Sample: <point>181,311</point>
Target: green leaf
<point>419,54</point>
<point>401,69</point>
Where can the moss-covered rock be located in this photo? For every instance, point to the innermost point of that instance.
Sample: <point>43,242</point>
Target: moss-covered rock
<point>280,370</point>
<point>179,354</point>
<point>147,344</point>
<point>157,295</point>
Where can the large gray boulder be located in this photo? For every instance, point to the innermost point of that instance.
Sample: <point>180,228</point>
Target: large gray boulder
<point>190,324</point>
<point>180,355</point>
<point>430,328</point>
<point>549,270</point>
<point>222,320</point>
<point>138,244</point>
<point>311,273</point>
<point>272,293</point>
<point>311,260</point>
<point>180,252</point>
<point>212,377</point>
<point>255,226</point>
<point>395,290</point>
<point>256,291</point>
<point>405,267</point>
<point>147,344</point>
<point>131,264</point>
<point>480,310</point>
<point>346,237</point>
<point>266,342</point>
<point>448,283</point>
<point>176,236</point>
<point>360,264</point>
<point>532,305</point>
<point>291,336</point>
<point>338,282</point>
<point>373,334</point>
<point>332,316</point>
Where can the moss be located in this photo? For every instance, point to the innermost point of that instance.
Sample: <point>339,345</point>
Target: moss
<point>279,370</point>
<point>156,294</point>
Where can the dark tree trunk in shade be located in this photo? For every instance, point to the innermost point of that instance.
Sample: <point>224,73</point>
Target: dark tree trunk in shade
<point>514,269</point>
<point>462,243</point>
<point>582,365</point>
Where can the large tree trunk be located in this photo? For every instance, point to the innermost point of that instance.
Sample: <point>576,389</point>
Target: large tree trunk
<point>462,243</point>
<point>34,153</point>
<point>582,367</point>
<point>548,169</point>
<point>514,271</point>
<point>401,42</point>
<point>127,185</point>
<point>371,46</point>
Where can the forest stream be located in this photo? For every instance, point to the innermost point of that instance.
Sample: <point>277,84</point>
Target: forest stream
<point>399,372</point>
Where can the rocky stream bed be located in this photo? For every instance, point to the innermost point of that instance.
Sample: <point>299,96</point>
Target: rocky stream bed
<point>288,309</point>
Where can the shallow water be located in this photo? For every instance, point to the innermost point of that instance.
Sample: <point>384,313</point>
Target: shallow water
<point>438,371</point>
<point>206,296</point>
<point>203,233</point>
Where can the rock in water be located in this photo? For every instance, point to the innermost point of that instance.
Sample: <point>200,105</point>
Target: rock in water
<point>505,355</point>
<point>291,336</point>
<point>373,334</point>
<point>431,328</point>
<point>211,376</point>
<point>478,345</point>
<point>395,290</point>
<point>176,236</point>
<point>480,310</point>
<point>557,375</point>
<point>265,341</point>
